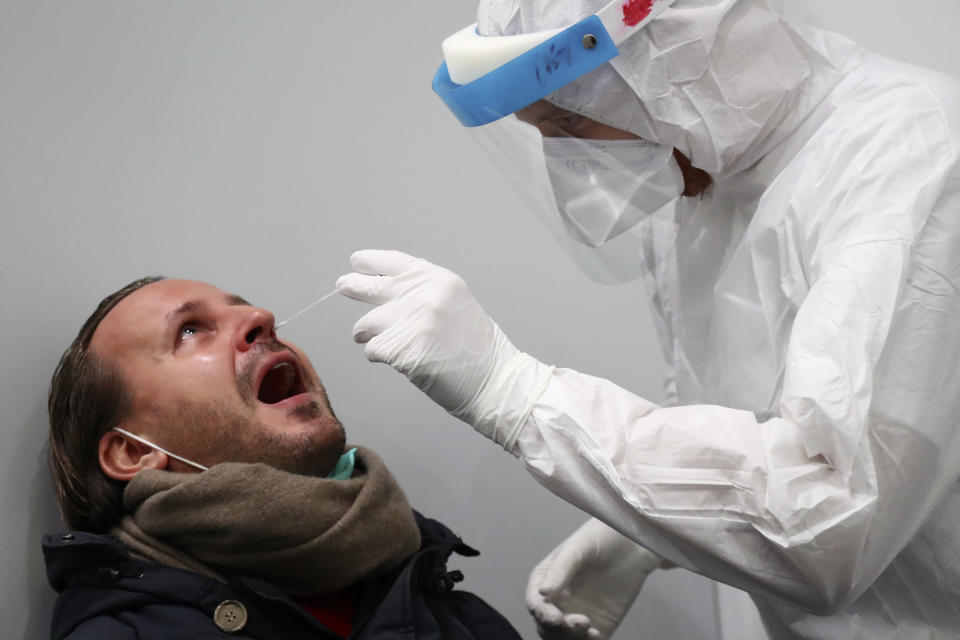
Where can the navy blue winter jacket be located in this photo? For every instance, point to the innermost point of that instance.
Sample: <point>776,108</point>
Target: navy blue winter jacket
<point>107,595</point>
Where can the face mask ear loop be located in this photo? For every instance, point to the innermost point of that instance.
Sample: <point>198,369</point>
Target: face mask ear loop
<point>160,449</point>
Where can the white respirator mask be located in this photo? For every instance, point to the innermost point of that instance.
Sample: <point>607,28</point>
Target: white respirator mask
<point>605,187</point>
<point>606,201</point>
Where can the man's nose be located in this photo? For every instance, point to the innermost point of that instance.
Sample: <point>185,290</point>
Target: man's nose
<point>256,325</point>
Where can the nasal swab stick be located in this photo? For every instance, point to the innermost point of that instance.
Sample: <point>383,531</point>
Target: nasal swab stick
<point>306,308</point>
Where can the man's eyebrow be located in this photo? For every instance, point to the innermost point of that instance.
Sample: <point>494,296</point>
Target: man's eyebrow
<point>186,307</point>
<point>195,305</point>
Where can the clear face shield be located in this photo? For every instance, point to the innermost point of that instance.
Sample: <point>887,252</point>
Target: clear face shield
<point>609,202</point>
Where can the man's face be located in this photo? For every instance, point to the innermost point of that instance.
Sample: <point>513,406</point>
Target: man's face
<point>211,381</point>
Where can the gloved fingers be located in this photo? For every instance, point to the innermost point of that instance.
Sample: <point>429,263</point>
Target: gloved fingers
<point>366,288</point>
<point>381,262</point>
<point>579,624</point>
<point>386,348</point>
<point>566,561</point>
<point>537,576</point>
<point>570,627</point>
<point>375,322</point>
<point>546,614</point>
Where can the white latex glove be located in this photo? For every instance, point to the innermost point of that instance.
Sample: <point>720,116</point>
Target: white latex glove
<point>429,327</point>
<point>585,587</point>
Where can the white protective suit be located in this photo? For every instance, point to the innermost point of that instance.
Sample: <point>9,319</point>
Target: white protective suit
<point>809,306</point>
<point>810,311</point>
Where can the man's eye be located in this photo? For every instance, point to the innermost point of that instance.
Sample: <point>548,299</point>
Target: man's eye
<point>186,331</point>
<point>569,121</point>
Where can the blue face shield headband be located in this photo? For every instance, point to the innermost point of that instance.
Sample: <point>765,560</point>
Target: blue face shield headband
<point>483,79</point>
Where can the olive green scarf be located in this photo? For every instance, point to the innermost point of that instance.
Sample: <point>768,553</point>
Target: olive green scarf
<point>304,535</point>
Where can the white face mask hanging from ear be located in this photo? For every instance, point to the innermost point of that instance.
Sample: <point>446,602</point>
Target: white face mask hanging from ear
<point>160,449</point>
<point>342,471</point>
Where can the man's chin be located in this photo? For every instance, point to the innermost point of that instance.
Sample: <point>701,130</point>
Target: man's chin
<point>314,447</point>
<point>310,410</point>
<point>292,417</point>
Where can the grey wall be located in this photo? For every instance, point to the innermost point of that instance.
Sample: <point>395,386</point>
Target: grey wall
<point>922,32</point>
<point>255,145</point>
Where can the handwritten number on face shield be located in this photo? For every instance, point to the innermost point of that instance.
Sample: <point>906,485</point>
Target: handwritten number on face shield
<point>551,61</point>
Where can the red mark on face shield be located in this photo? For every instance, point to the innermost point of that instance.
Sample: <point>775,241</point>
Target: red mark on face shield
<point>636,10</point>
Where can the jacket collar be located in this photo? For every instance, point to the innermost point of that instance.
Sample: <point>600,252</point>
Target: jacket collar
<point>102,566</point>
<point>69,553</point>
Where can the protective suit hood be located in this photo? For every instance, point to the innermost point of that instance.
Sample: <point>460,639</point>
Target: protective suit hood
<point>723,81</point>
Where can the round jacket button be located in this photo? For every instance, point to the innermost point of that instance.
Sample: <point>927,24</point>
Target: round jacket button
<point>230,616</point>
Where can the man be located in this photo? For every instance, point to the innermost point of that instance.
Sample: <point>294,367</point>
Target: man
<point>283,534</point>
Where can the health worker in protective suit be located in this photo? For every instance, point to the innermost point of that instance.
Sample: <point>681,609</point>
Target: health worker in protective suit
<point>808,303</point>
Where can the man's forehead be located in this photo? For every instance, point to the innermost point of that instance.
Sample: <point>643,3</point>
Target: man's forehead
<point>141,315</point>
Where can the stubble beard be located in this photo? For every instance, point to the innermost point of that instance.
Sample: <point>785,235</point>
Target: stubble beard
<point>234,435</point>
<point>314,452</point>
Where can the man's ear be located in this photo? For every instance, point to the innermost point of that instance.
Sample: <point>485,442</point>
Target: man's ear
<point>121,457</point>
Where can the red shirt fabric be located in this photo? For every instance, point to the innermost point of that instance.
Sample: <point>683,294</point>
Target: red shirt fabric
<point>333,610</point>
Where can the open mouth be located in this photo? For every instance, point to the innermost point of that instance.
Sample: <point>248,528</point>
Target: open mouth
<point>283,380</point>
